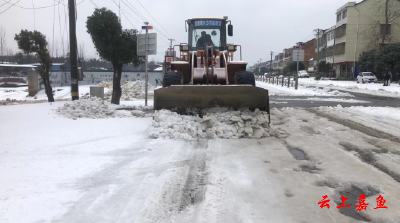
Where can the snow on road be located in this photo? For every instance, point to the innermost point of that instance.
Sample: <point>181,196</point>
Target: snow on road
<point>55,169</point>
<point>383,118</point>
<point>278,90</point>
<point>47,162</point>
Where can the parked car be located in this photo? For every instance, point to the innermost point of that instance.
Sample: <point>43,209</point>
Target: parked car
<point>303,73</point>
<point>364,77</point>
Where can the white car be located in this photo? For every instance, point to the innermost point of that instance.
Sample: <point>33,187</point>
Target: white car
<point>303,73</point>
<point>364,77</point>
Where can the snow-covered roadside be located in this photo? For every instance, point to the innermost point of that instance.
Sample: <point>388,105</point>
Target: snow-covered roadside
<point>343,100</point>
<point>368,88</point>
<point>44,158</point>
<point>60,93</point>
<point>278,90</point>
<point>97,108</point>
<point>130,91</point>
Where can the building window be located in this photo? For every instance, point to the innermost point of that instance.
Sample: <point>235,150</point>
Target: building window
<point>388,29</point>
<point>338,17</point>
<point>340,31</point>
<point>340,48</point>
<point>344,14</point>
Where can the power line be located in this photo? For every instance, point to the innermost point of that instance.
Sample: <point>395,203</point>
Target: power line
<point>126,16</point>
<point>34,16</point>
<point>154,18</point>
<point>54,19</point>
<point>137,12</point>
<point>134,10</point>
<point>61,34</point>
<point>93,3</point>
<point>35,8</point>
<point>65,24</point>
<point>10,6</point>
<point>128,19</point>
<point>144,18</point>
<point>5,2</point>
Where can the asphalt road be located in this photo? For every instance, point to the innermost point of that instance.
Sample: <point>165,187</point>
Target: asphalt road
<point>305,102</point>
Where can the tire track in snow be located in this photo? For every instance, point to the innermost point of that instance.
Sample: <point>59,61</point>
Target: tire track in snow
<point>195,185</point>
<point>356,126</point>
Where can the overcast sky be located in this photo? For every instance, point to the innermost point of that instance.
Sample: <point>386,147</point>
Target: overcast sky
<point>260,26</point>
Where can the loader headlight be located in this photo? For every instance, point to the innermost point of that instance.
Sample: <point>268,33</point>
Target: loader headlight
<point>184,47</point>
<point>231,48</point>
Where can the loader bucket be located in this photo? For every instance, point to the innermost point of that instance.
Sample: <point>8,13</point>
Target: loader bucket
<point>206,96</point>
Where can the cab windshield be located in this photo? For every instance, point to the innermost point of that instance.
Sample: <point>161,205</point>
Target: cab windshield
<point>205,33</point>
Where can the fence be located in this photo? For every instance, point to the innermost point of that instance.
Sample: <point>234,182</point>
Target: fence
<point>283,81</point>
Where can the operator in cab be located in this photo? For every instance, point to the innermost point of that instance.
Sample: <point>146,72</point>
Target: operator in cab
<point>204,40</point>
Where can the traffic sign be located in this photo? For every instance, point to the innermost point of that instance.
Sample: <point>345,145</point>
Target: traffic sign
<point>141,44</point>
<point>169,59</point>
<point>298,55</point>
<point>147,27</point>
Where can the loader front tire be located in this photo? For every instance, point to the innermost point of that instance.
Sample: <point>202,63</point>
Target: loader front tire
<point>172,78</point>
<point>245,78</point>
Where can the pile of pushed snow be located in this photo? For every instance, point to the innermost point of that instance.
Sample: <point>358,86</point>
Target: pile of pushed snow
<point>329,91</point>
<point>223,123</point>
<point>105,84</point>
<point>95,108</point>
<point>136,89</point>
<point>130,89</point>
<point>86,108</point>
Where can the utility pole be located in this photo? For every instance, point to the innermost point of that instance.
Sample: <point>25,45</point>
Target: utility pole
<point>119,6</point>
<point>73,51</point>
<point>170,45</point>
<point>297,74</point>
<point>333,50</point>
<point>317,51</point>
<point>147,59</point>
<point>270,65</point>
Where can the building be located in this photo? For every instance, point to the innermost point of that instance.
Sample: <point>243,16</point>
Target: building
<point>286,57</point>
<point>326,42</point>
<point>360,27</point>
<point>308,48</point>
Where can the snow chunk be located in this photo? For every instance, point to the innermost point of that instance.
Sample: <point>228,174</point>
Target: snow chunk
<point>216,123</point>
<point>130,89</point>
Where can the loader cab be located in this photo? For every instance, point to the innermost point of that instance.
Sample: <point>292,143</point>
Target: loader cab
<point>204,32</point>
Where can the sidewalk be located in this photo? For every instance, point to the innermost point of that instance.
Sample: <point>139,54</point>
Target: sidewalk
<point>352,86</point>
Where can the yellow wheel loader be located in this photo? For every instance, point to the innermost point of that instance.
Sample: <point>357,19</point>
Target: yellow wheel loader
<point>208,73</point>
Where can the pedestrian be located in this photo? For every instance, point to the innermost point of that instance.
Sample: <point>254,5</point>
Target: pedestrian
<point>391,77</point>
<point>156,82</point>
<point>386,79</point>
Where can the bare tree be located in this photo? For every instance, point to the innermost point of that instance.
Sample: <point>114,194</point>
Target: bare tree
<point>3,44</point>
<point>387,15</point>
<point>9,52</point>
<point>81,51</point>
<point>57,50</point>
